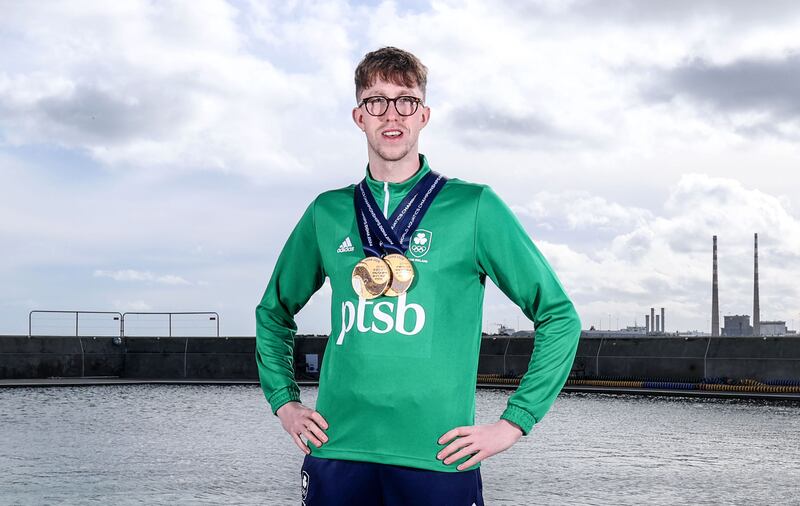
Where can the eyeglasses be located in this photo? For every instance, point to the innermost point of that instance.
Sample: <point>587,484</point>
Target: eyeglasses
<point>404,105</point>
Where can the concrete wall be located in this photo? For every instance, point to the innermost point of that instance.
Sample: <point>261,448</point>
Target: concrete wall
<point>679,358</point>
<point>44,357</point>
<point>668,358</point>
<point>505,355</point>
<point>231,358</point>
<point>190,358</point>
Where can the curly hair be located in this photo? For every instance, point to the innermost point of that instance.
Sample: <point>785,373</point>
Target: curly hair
<point>393,65</point>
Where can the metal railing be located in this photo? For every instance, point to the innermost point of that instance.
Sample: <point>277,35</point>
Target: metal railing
<point>214,316</point>
<point>120,317</point>
<point>77,314</point>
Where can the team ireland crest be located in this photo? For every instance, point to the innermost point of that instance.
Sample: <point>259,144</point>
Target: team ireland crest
<point>420,242</point>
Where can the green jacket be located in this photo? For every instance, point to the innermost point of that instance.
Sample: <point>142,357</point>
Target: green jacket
<point>398,372</point>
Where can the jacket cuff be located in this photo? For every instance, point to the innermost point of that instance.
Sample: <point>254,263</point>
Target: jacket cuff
<point>520,417</point>
<point>282,396</point>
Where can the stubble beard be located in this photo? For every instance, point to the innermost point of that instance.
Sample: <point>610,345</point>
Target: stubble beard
<point>392,155</point>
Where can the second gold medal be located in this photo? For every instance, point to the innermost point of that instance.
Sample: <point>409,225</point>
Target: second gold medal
<point>402,274</point>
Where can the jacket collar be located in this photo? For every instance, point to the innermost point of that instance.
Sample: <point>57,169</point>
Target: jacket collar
<point>398,189</point>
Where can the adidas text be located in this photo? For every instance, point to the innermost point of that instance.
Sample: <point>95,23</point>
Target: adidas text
<point>345,247</point>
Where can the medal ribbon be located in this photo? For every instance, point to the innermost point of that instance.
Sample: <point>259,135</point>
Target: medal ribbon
<point>380,236</point>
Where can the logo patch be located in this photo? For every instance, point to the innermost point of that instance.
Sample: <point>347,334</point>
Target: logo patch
<point>420,242</point>
<point>305,484</point>
<point>346,246</point>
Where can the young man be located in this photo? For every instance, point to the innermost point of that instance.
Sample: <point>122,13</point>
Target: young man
<point>407,252</point>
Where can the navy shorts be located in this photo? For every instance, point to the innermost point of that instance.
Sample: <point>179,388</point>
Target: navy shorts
<point>333,482</point>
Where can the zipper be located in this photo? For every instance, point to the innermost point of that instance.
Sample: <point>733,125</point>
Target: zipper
<point>386,199</point>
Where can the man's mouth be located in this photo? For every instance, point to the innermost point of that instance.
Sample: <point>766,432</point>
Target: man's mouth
<point>391,134</point>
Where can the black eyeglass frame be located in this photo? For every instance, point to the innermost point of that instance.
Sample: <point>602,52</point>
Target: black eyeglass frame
<point>417,102</point>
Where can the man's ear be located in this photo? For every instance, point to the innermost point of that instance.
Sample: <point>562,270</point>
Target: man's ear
<point>425,116</point>
<point>358,118</point>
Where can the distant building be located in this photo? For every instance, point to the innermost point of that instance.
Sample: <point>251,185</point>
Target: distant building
<point>634,330</point>
<point>737,325</point>
<point>502,330</point>
<point>626,332</point>
<point>776,328</point>
<point>693,333</point>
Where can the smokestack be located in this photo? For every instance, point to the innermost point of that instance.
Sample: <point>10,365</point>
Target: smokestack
<point>756,308</point>
<point>658,325</point>
<point>715,296</point>
<point>653,326</point>
<point>662,320</point>
<point>647,323</point>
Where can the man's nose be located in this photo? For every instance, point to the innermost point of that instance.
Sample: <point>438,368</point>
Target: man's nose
<point>391,113</point>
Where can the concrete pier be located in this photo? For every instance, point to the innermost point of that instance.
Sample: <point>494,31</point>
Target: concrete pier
<point>232,359</point>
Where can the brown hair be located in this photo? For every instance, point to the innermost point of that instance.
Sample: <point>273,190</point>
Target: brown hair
<point>393,65</point>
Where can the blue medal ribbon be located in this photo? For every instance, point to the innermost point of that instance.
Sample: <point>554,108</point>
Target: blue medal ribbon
<point>380,236</point>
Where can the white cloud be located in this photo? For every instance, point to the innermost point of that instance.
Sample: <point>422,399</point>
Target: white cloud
<point>134,275</point>
<point>148,87</point>
<point>235,89</point>
<point>665,259</point>
<point>579,210</point>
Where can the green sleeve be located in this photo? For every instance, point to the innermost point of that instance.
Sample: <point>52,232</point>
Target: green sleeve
<point>507,255</point>
<point>297,275</point>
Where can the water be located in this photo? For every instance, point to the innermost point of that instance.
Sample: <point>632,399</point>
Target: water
<point>189,444</point>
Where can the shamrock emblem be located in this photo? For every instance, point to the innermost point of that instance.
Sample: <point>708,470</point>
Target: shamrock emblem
<point>421,243</point>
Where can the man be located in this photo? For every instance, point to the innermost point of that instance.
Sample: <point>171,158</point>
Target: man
<point>394,416</point>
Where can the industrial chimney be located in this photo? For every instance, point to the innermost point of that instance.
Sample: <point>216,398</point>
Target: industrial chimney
<point>647,323</point>
<point>653,327</point>
<point>756,308</point>
<point>658,325</point>
<point>715,296</point>
<point>662,321</point>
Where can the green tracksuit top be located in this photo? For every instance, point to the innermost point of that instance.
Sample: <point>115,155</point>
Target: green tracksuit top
<point>399,372</point>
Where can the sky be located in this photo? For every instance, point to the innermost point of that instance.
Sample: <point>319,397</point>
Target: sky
<point>154,156</point>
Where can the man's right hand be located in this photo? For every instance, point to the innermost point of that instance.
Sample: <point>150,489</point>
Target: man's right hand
<point>299,420</point>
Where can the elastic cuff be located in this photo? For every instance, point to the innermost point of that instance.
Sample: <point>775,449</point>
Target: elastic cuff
<point>282,396</point>
<point>520,417</point>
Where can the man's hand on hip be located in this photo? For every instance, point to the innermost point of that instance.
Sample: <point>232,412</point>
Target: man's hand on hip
<point>299,420</point>
<point>480,441</point>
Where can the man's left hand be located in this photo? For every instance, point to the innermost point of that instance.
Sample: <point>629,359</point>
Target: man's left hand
<point>480,441</point>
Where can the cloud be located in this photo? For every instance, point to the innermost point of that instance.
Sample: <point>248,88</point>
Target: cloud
<point>632,11</point>
<point>148,88</point>
<point>581,211</point>
<point>234,87</point>
<point>755,93</point>
<point>91,114</point>
<point>486,126</point>
<point>657,259</point>
<point>135,276</point>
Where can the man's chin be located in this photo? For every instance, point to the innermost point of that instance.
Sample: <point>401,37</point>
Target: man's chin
<point>393,156</point>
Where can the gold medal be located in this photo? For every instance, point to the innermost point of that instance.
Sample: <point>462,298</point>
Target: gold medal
<point>402,274</point>
<point>371,277</point>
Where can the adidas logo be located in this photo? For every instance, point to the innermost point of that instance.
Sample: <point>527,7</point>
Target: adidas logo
<point>346,246</point>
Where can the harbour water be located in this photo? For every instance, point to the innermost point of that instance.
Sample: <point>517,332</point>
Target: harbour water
<point>193,444</point>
